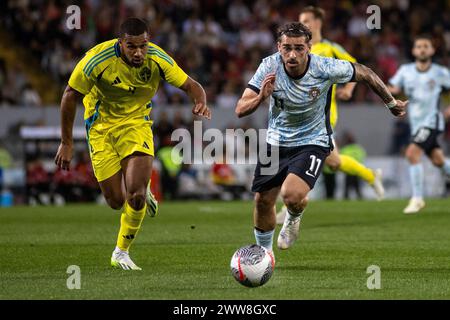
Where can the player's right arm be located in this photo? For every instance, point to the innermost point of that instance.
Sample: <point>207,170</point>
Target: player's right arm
<point>80,83</point>
<point>260,87</point>
<point>346,91</point>
<point>251,100</point>
<point>68,110</point>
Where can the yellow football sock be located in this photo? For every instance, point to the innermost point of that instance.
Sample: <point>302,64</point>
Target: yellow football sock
<point>352,167</point>
<point>130,222</point>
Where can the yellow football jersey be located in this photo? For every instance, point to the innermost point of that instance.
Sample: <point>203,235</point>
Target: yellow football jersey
<point>330,49</point>
<point>116,92</point>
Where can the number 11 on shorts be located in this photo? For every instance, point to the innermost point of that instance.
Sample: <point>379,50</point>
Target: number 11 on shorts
<point>314,167</point>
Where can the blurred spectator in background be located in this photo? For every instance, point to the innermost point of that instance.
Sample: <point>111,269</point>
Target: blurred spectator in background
<point>2,78</point>
<point>223,176</point>
<point>30,97</point>
<point>329,180</point>
<point>188,182</point>
<point>63,186</point>
<point>37,182</point>
<point>211,38</point>
<point>170,167</point>
<point>400,137</point>
<point>349,147</point>
<point>163,130</point>
<point>84,178</point>
<point>5,162</point>
<point>228,97</point>
<point>179,121</point>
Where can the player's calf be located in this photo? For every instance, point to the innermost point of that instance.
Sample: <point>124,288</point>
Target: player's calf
<point>264,210</point>
<point>264,216</point>
<point>296,200</point>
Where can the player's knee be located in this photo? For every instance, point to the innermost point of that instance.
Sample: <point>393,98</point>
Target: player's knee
<point>136,200</point>
<point>294,198</point>
<point>114,202</point>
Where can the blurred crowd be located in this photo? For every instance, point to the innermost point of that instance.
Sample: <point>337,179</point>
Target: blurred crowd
<point>45,186</point>
<point>220,43</point>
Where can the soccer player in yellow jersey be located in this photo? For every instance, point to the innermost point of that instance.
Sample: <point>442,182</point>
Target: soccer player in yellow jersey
<point>313,18</point>
<point>118,78</point>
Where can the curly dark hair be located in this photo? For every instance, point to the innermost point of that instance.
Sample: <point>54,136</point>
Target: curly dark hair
<point>294,29</point>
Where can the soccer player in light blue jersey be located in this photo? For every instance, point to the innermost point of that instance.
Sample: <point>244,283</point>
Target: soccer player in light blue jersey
<point>299,85</point>
<point>422,82</point>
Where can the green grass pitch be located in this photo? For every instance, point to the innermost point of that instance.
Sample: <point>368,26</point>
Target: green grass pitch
<point>185,252</point>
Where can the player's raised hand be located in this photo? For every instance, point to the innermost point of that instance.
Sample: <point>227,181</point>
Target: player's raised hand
<point>64,156</point>
<point>268,85</point>
<point>201,109</point>
<point>399,110</point>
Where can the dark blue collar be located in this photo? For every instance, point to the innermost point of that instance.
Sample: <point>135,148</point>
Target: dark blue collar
<point>117,49</point>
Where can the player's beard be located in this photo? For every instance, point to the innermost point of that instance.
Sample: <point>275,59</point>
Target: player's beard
<point>424,59</point>
<point>131,63</point>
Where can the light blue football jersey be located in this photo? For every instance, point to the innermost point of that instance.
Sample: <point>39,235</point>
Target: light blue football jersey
<point>299,112</point>
<point>423,90</point>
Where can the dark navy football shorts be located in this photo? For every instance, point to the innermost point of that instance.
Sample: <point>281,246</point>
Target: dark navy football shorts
<point>304,161</point>
<point>426,139</point>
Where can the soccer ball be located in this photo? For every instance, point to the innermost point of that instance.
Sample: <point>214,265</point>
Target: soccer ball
<point>252,265</point>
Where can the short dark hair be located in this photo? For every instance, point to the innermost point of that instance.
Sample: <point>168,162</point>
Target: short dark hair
<point>423,37</point>
<point>132,27</point>
<point>294,29</point>
<point>317,12</point>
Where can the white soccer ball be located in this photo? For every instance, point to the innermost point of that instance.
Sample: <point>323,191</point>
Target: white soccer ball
<point>252,265</point>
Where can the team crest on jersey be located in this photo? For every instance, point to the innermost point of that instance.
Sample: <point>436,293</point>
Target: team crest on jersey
<point>314,93</point>
<point>145,74</point>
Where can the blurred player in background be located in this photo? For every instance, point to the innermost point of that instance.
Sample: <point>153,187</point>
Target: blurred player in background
<point>422,82</point>
<point>313,18</point>
<point>118,78</point>
<point>299,85</point>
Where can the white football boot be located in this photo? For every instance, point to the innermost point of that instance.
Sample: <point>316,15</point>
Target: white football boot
<point>121,260</point>
<point>152,204</point>
<point>377,184</point>
<point>289,232</point>
<point>414,206</point>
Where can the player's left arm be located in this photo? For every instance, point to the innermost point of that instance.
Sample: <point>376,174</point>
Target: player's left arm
<point>198,96</point>
<point>365,74</point>
<point>344,92</point>
<point>174,75</point>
